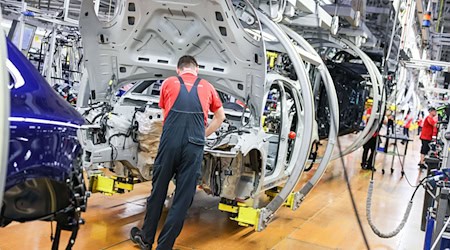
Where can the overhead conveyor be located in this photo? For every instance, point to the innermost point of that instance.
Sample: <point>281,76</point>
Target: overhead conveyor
<point>296,168</point>
<point>324,40</point>
<point>333,106</point>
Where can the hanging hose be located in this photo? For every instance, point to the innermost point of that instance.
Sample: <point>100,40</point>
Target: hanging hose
<point>405,215</point>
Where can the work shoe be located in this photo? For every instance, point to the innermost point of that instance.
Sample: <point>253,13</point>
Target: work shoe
<point>136,238</point>
<point>369,167</point>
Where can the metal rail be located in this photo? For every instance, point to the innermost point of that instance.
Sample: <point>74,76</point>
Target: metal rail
<point>304,85</point>
<point>334,113</point>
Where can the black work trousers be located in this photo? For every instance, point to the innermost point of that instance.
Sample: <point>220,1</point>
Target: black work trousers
<point>370,145</point>
<point>180,156</point>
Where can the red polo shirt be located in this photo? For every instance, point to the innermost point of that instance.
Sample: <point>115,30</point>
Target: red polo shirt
<point>207,95</point>
<point>427,130</point>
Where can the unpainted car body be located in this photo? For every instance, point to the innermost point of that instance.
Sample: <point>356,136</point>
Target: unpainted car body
<point>251,152</point>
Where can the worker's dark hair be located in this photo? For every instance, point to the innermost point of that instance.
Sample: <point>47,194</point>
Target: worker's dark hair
<point>431,109</point>
<point>187,61</point>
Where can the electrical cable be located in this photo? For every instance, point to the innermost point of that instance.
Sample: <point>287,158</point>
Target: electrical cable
<point>405,215</point>
<point>371,184</point>
<point>352,198</point>
<point>402,165</point>
<point>347,179</point>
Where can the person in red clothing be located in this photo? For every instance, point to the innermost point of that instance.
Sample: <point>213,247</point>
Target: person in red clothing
<point>371,145</point>
<point>426,135</point>
<point>420,124</point>
<point>185,101</point>
<point>407,124</point>
<point>408,121</point>
<point>435,129</point>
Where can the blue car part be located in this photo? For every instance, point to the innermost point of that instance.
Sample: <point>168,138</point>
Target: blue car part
<point>44,178</point>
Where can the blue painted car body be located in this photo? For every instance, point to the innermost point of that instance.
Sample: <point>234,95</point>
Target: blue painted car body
<point>43,144</point>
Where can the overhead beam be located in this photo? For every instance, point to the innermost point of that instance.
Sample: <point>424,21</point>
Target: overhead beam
<point>312,20</point>
<point>436,90</point>
<point>377,10</point>
<point>425,64</point>
<point>347,12</point>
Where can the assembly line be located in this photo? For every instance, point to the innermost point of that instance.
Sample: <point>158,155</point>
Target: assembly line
<point>253,107</point>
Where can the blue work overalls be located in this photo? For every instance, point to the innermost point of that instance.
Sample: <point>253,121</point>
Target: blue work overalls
<point>180,154</point>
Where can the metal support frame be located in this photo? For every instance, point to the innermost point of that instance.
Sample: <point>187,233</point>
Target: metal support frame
<point>334,115</point>
<point>22,26</point>
<point>441,213</point>
<point>346,12</point>
<point>267,212</point>
<point>312,13</point>
<point>425,64</point>
<point>375,79</point>
<point>48,67</point>
<point>4,113</point>
<point>97,6</point>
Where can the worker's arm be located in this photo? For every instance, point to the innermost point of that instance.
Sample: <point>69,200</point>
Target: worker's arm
<point>217,120</point>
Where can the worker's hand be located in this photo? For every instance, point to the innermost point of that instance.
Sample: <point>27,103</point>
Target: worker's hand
<point>217,120</point>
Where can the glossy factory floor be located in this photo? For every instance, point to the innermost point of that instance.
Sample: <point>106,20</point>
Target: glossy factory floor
<point>325,219</point>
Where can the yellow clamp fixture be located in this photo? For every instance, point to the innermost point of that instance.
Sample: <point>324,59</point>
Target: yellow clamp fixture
<point>290,201</point>
<point>108,185</point>
<point>245,215</point>
<point>272,56</point>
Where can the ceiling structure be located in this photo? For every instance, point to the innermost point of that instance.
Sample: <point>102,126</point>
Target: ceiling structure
<point>370,19</point>
<point>375,12</point>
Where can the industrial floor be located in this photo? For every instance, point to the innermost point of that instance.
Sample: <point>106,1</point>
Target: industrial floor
<point>325,219</point>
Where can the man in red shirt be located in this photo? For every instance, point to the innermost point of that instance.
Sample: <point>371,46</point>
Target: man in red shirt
<point>185,101</point>
<point>426,135</point>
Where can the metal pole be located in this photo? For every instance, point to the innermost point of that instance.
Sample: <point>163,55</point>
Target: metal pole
<point>4,113</point>
<point>97,6</point>
<point>48,75</point>
<point>66,9</point>
<point>22,26</point>
<point>441,213</point>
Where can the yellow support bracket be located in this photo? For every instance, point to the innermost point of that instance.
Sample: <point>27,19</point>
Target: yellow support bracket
<point>245,215</point>
<point>272,56</point>
<point>108,185</point>
<point>289,201</point>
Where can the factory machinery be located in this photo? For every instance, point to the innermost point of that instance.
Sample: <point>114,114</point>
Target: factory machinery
<point>287,95</point>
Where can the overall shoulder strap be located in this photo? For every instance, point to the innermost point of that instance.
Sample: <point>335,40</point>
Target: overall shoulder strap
<point>197,81</point>
<point>181,80</point>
